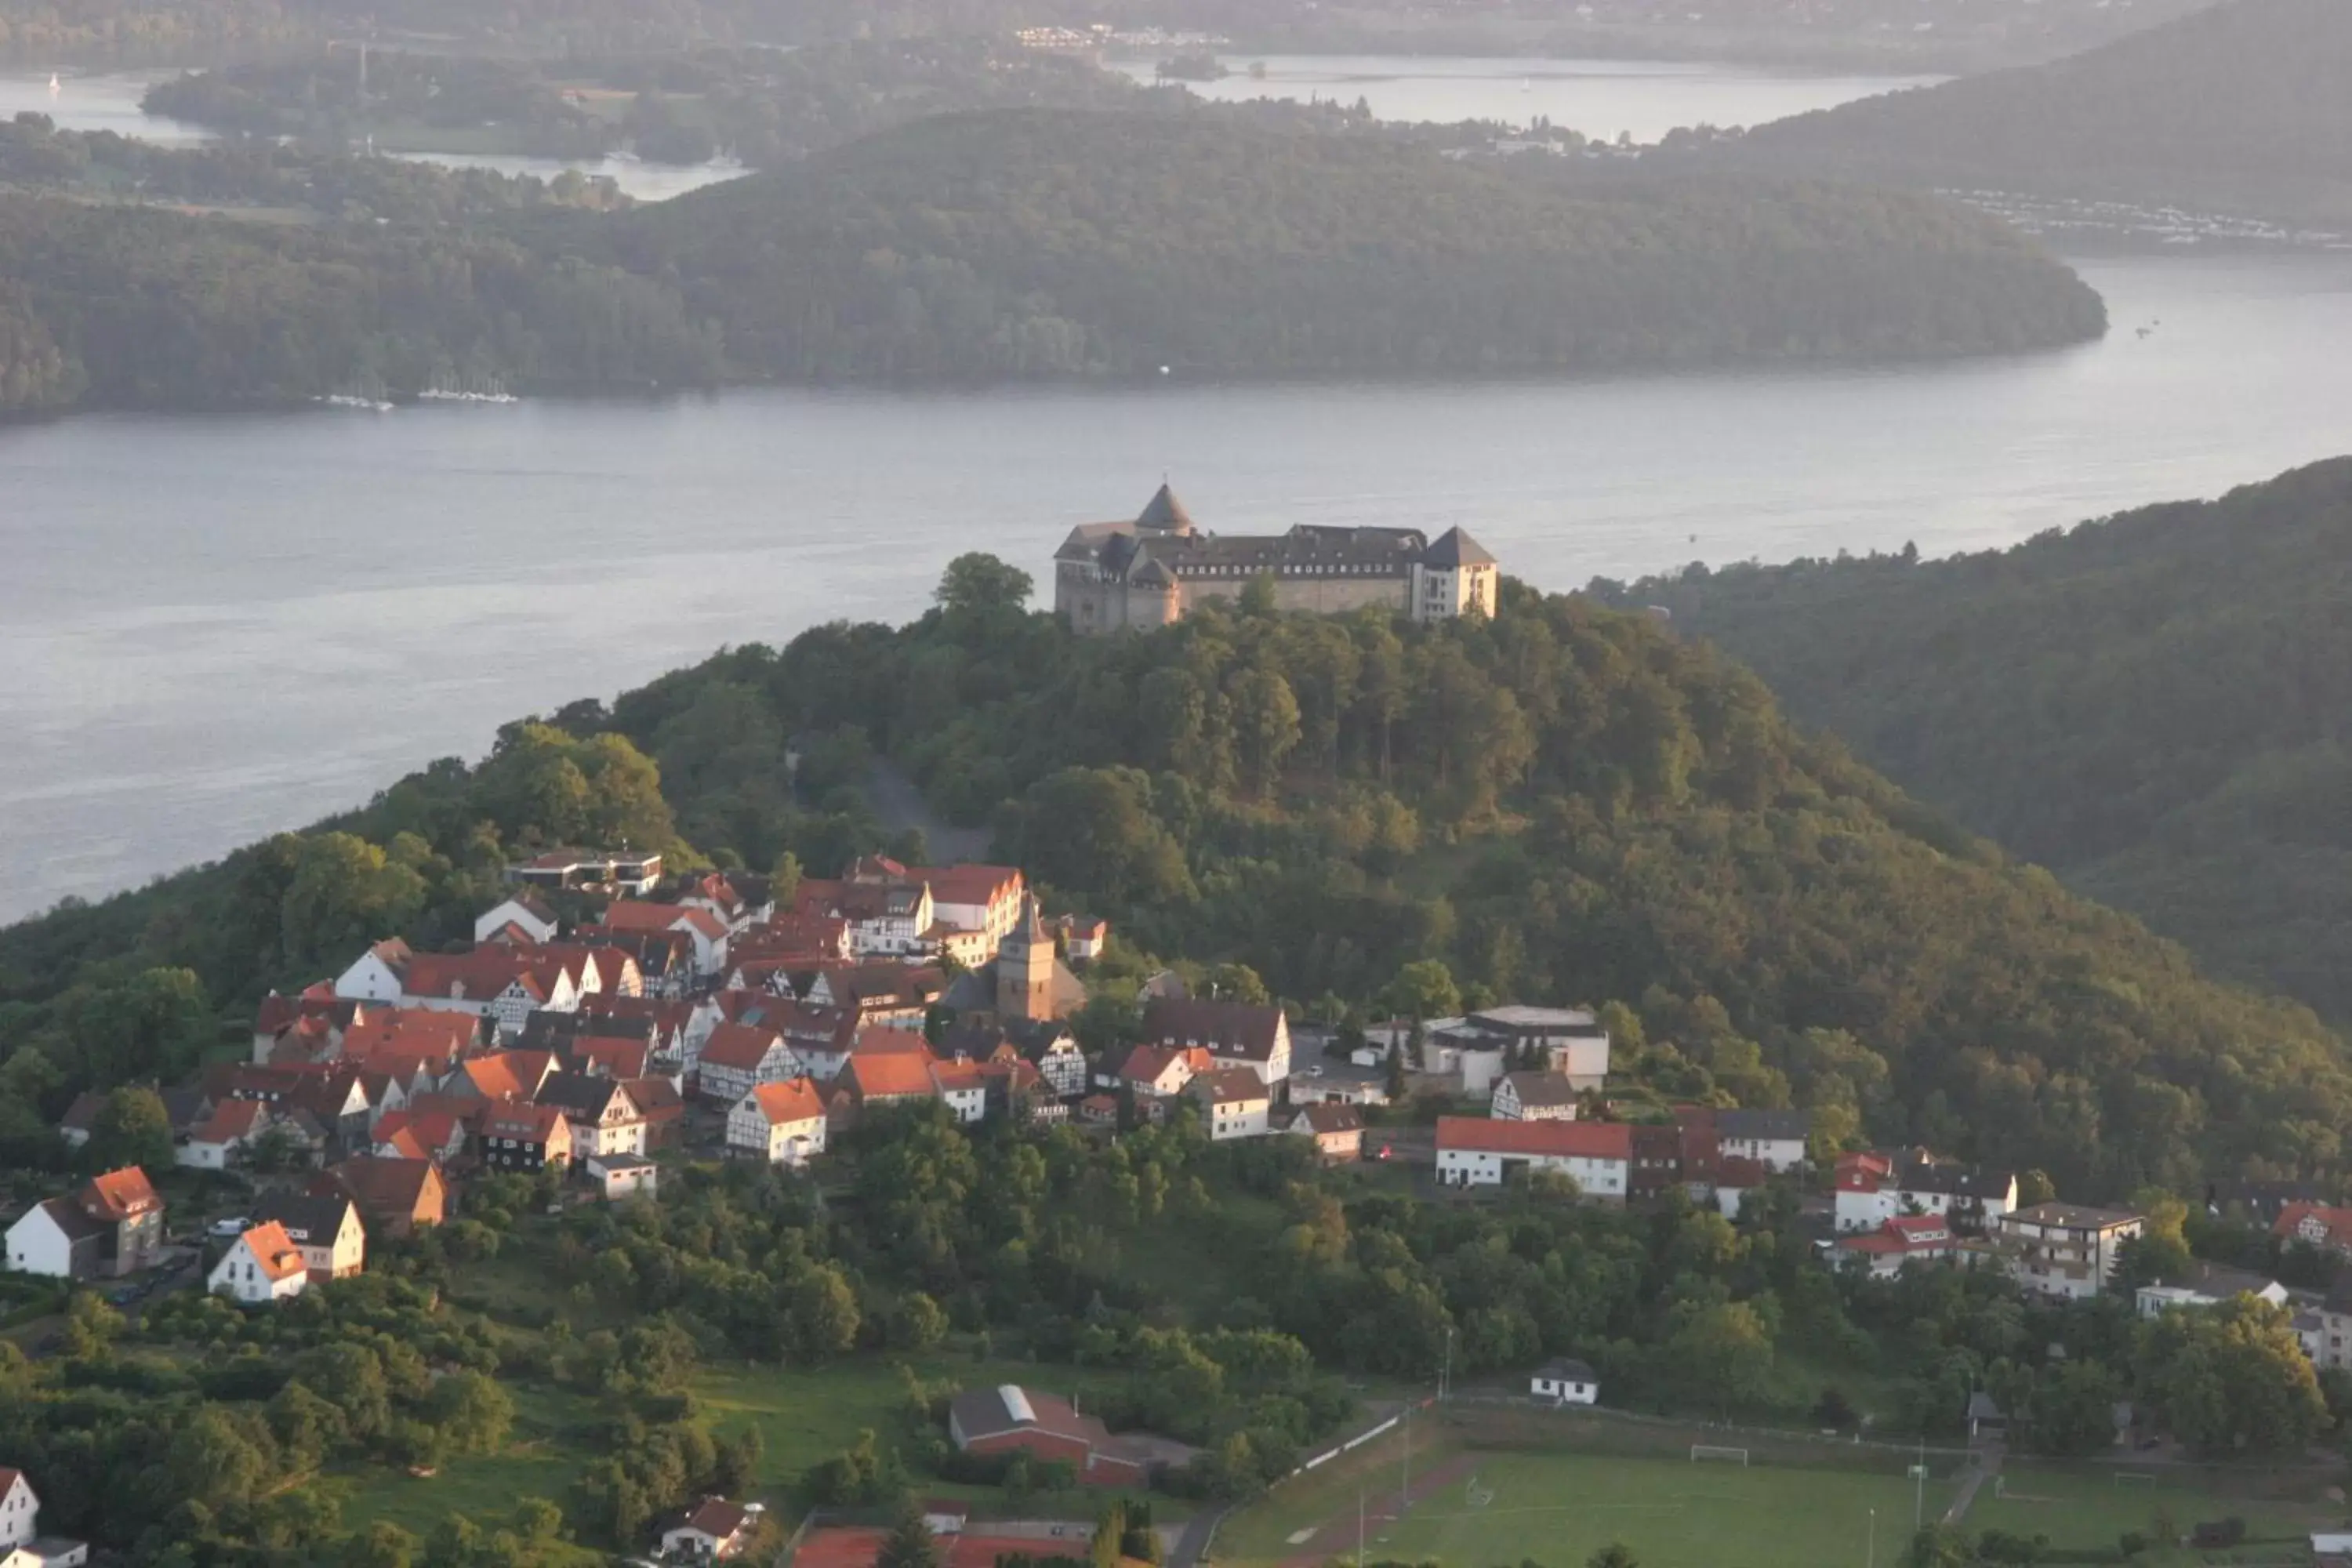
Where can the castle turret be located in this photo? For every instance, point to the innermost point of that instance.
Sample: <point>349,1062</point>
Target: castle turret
<point>1164,514</point>
<point>1024,968</point>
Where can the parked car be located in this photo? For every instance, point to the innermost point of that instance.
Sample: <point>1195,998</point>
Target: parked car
<point>228,1229</point>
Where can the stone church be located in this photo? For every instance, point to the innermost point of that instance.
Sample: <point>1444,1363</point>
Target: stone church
<point>1151,571</point>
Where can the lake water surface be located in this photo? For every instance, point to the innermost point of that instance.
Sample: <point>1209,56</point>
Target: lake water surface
<point>211,628</point>
<point>1644,98</point>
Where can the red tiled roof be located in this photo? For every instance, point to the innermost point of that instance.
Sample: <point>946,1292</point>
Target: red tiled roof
<point>612,1058</point>
<point>386,1185</point>
<point>957,1078</point>
<point>274,1252</point>
<point>794,1100</point>
<point>889,1075</point>
<point>740,1047</point>
<point>120,1195</point>
<point>1559,1140</point>
<point>1229,1086</point>
<point>656,1097</point>
<point>2336,1222</point>
<point>969,884</point>
<point>636,914</point>
<point>404,1142</point>
<point>231,1119</point>
<point>531,1124</point>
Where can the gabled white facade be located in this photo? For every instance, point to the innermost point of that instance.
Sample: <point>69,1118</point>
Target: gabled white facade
<point>244,1278</point>
<point>749,1131</point>
<point>370,979</point>
<point>37,1245</point>
<point>18,1509</point>
<point>513,912</point>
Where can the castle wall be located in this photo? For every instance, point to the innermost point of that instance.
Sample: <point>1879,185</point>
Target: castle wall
<point>1094,605</point>
<point>1321,596</point>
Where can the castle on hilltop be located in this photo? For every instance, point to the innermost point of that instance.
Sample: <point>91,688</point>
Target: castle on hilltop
<point>1151,571</point>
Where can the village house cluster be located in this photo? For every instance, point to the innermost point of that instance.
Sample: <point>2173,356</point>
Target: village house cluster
<point>706,1015</point>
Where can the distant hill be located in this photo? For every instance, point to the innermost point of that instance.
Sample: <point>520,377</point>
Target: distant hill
<point>2244,106</point>
<point>2158,706</point>
<point>1562,805</point>
<point>1072,243</point>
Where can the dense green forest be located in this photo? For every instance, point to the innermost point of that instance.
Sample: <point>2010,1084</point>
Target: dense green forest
<point>2240,107</point>
<point>1046,243</point>
<point>1014,244</point>
<point>765,107</point>
<point>145,308</point>
<point>266,180</point>
<point>1566,804</point>
<point>2154,705</point>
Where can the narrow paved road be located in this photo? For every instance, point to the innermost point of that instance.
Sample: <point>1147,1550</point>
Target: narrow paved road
<point>1194,1542</point>
<point>1987,1465</point>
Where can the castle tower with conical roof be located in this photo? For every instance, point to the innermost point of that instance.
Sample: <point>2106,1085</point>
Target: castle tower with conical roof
<point>1024,968</point>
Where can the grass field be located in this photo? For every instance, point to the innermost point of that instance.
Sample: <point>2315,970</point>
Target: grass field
<point>2087,1507</point>
<point>1560,1508</point>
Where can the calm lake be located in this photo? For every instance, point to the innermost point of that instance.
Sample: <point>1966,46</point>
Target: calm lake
<point>211,628</point>
<point>1644,98</point>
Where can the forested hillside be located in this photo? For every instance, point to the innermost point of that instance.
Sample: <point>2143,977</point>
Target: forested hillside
<point>2156,705</point>
<point>1018,244</point>
<point>135,307</point>
<point>1046,243</point>
<point>1566,804</point>
<point>2242,106</point>
<point>764,106</point>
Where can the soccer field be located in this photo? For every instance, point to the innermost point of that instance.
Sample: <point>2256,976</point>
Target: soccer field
<point>2084,1506</point>
<point>1559,1509</point>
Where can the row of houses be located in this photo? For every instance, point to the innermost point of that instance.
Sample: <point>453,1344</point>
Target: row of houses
<point>1715,1155</point>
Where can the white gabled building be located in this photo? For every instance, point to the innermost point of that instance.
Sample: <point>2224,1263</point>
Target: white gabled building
<point>261,1267</point>
<point>1565,1382</point>
<point>1476,1151</point>
<point>1533,1097</point>
<point>1235,1103</point>
<point>1773,1139</point>
<point>782,1123</point>
<point>379,974</point>
<point>522,917</point>
<point>22,1545</point>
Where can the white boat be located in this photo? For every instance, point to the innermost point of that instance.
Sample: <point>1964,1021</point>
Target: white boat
<point>55,86</point>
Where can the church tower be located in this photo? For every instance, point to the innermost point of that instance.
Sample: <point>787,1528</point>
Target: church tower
<point>1024,968</point>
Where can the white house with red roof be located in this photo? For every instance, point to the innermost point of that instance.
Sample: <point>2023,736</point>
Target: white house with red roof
<point>1476,1151</point>
<point>707,932</point>
<point>1238,1034</point>
<point>379,974</point>
<point>522,919</point>
<point>220,1140</point>
<point>1235,1103</point>
<point>782,1123</point>
<point>711,1530</point>
<point>1888,1250</point>
<point>261,1267</point>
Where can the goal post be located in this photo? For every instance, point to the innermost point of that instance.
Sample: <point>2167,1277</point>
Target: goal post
<point>1701,1453</point>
